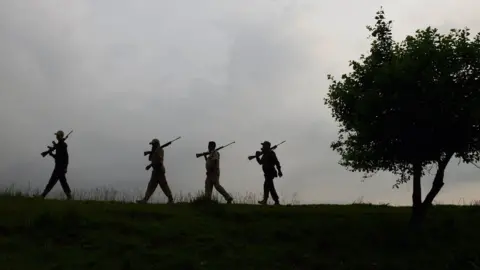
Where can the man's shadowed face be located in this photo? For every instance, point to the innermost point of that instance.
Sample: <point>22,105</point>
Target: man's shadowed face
<point>59,135</point>
<point>211,146</point>
<point>266,146</point>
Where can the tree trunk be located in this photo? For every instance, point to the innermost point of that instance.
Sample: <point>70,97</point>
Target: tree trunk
<point>419,213</point>
<point>417,186</point>
<point>417,192</point>
<point>437,181</point>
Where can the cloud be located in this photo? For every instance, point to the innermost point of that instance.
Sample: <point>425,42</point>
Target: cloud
<point>121,72</point>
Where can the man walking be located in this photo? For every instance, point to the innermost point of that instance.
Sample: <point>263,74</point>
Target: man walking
<point>158,173</point>
<point>212,164</point>
<point>61,165</point>
<point>269,161</point>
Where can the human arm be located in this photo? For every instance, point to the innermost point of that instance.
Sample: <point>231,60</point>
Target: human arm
<point>257,157</point>
<point>277,164</point>
<point>52,148</point>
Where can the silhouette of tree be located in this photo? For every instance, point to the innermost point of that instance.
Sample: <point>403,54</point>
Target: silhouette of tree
<point>409,105</point>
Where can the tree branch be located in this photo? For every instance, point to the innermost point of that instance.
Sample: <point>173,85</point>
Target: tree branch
<point>475,165</point>
<point>460,159</point>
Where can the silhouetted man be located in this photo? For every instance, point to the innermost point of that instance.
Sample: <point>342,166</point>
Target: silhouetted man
<point>269,161</point>
<point>212,164</point>
<point>61,165</point>
<point>158,176</point>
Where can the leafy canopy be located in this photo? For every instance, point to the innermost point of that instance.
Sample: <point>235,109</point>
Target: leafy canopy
<point>411,102</point>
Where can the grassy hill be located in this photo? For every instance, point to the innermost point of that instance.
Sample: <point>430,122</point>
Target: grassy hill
<point>53,234</point>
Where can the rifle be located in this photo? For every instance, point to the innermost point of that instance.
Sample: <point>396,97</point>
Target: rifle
<point>219,148</point>
<point>161,146</point>
<point>271,148</point>
<point>151,152</point>
<point>51,148</point>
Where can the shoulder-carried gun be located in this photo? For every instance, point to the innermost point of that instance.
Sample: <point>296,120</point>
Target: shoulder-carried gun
<point>52,148</point>
<point>271,148</point>
<point>149,153</point>
<point>204,154</point>
<point>161,146</point>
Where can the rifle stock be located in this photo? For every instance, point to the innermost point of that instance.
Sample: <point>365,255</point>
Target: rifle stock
<point>50,149</point>
<point>218,149</point>
<point>271,148</point>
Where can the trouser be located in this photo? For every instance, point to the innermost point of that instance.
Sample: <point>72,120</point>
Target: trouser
<point>58,174</point>
<point>213,180</point>
<point>269,188</point>
<point>158,178</point>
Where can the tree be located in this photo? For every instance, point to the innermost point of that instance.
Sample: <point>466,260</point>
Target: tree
<point>409,105</point>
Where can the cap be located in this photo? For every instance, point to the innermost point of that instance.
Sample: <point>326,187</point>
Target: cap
<point>155,141</point>
<point>266,144</point>
<point>59,133</point>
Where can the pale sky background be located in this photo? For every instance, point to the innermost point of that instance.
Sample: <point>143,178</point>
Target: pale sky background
<point>121,72</point>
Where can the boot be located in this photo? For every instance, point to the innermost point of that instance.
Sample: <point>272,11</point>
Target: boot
<point>141,201</point>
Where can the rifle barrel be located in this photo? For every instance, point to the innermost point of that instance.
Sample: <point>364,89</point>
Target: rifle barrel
<point>170,142</point>
<point>224,146</point>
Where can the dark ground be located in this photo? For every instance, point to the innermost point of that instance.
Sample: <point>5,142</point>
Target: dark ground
<point>52,234</point>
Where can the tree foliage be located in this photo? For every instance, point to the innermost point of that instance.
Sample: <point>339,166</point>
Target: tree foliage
<point>409,104</point>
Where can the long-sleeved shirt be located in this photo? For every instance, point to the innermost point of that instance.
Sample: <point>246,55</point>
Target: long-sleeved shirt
<point>212,163</point>
<point>157,159</point>
<point>61,155</point>
<point>269,161</point>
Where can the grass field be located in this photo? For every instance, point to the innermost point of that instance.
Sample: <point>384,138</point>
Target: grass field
<point>57,234</point>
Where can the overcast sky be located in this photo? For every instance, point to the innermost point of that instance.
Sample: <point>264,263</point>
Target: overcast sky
<point>122,72</point>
